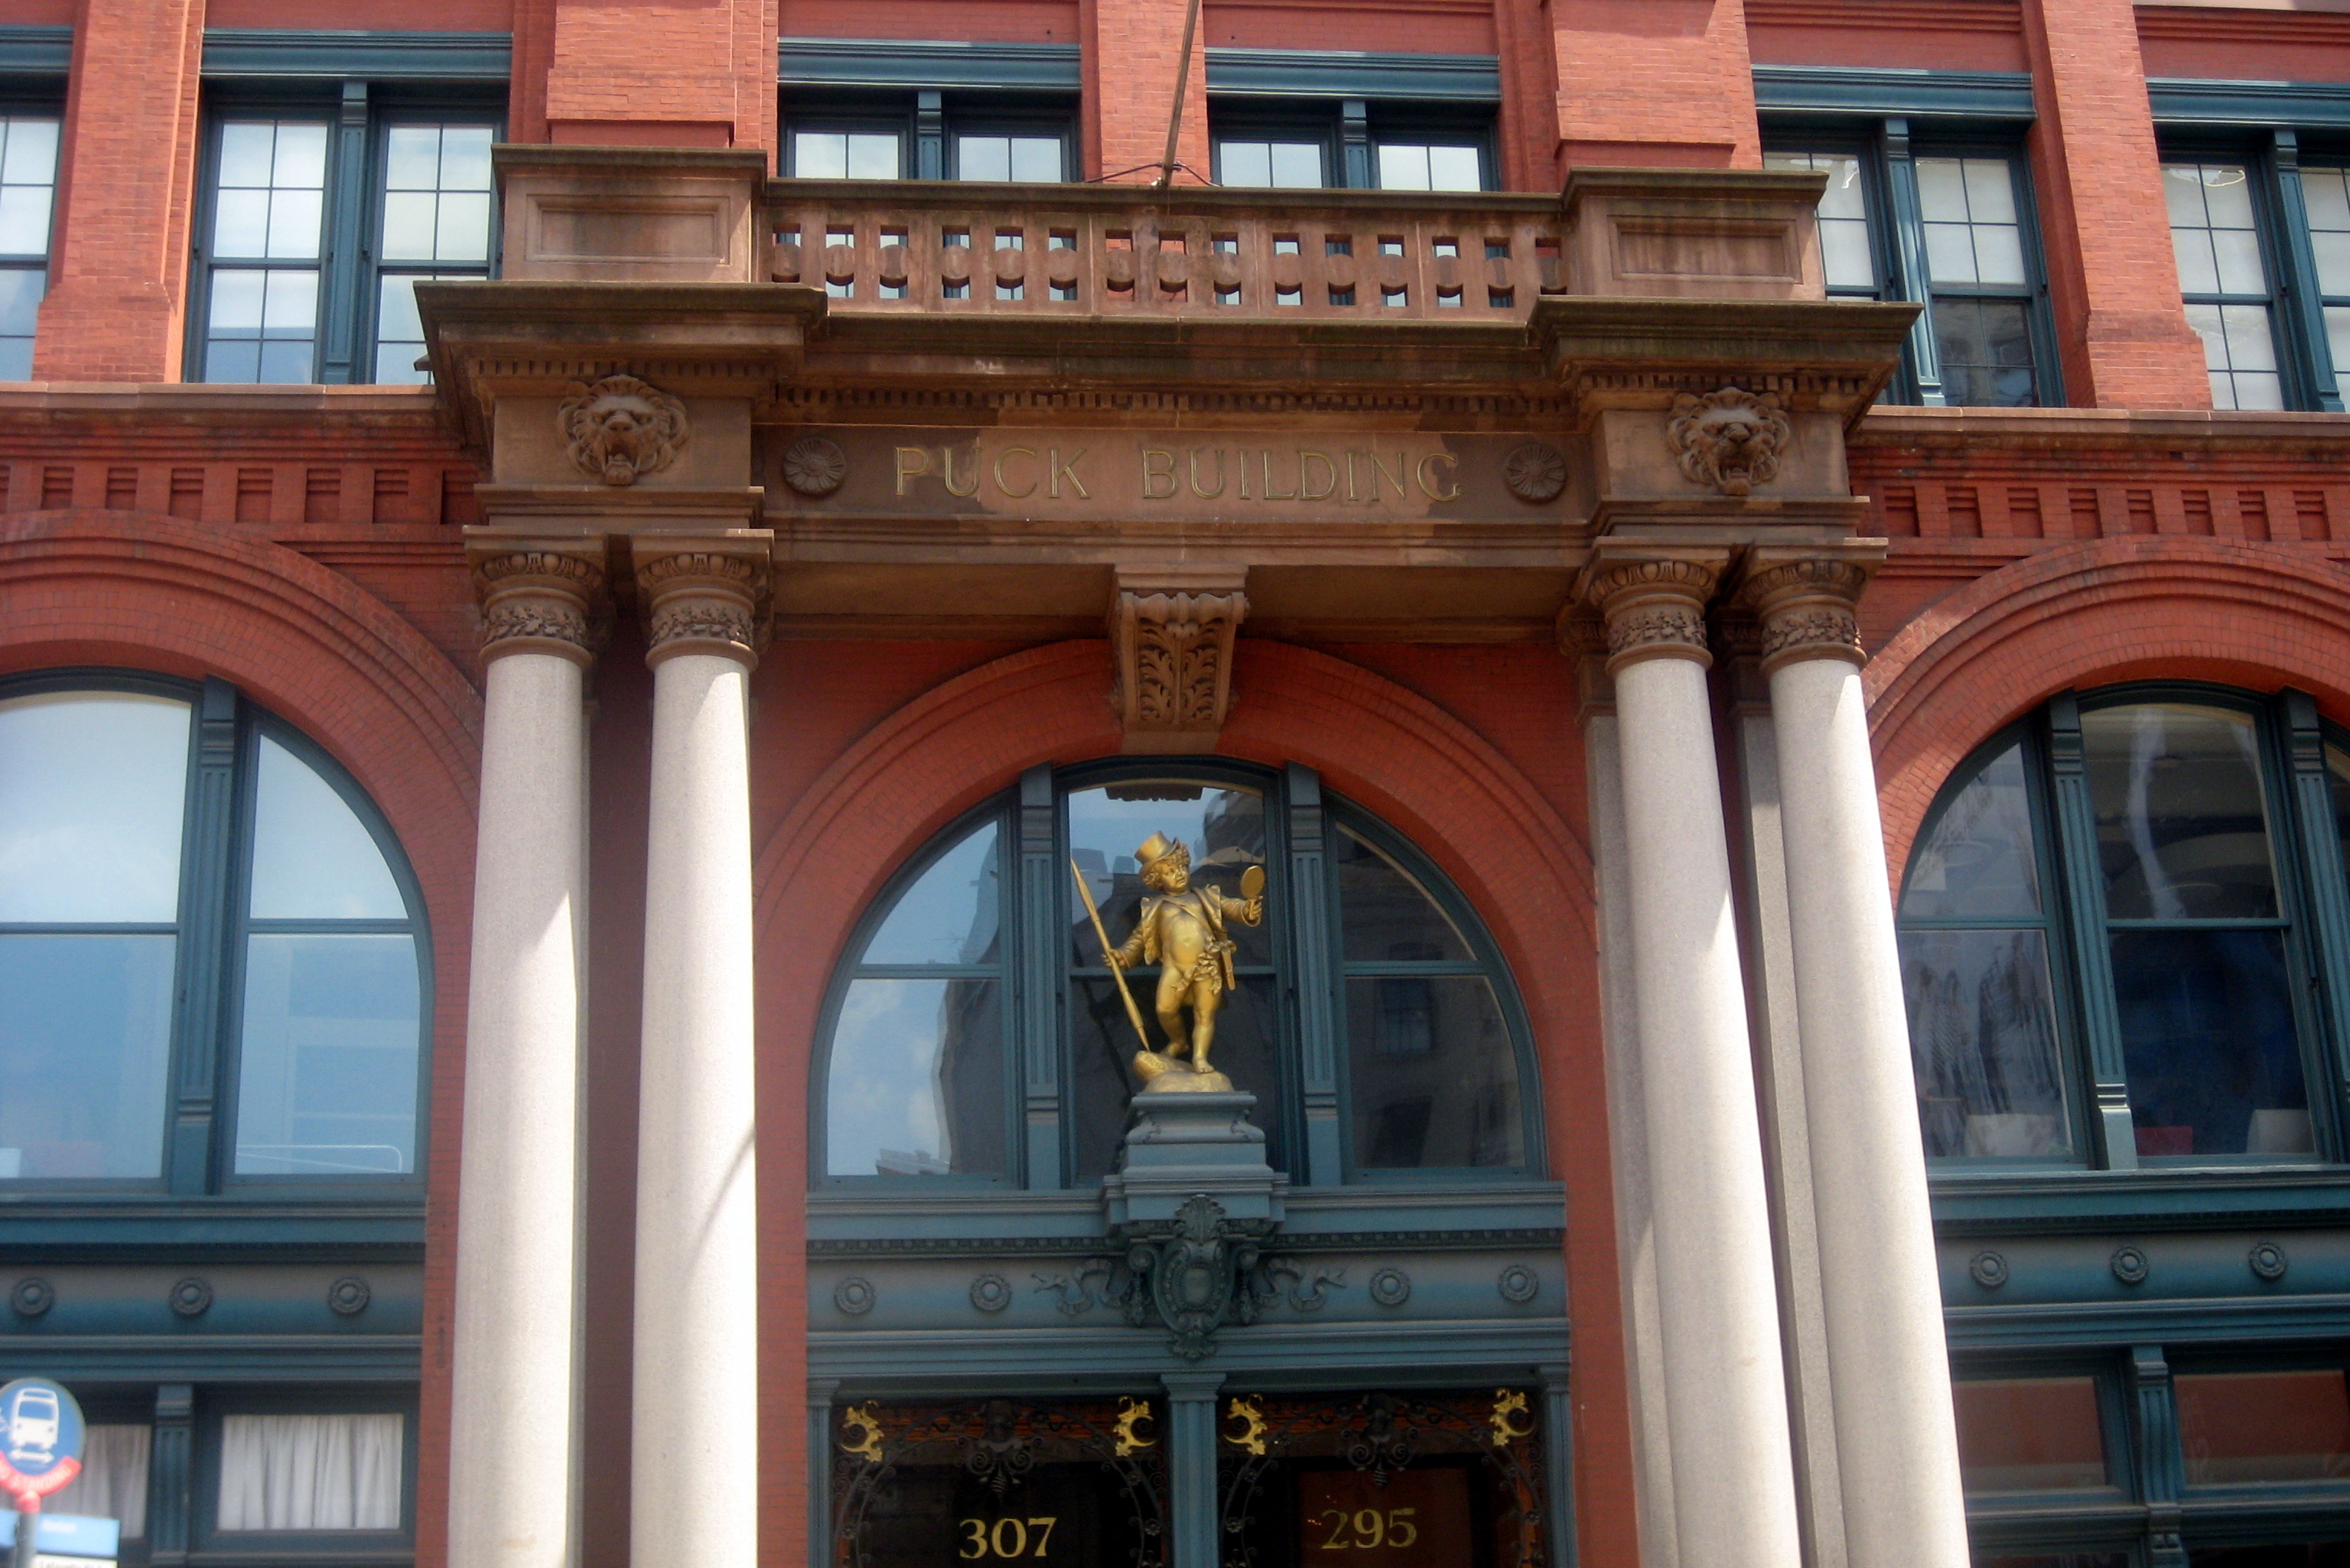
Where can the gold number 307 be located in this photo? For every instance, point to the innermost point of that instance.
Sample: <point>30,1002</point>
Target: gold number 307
<point>1005,1537</point>
<point>1367,1530</point>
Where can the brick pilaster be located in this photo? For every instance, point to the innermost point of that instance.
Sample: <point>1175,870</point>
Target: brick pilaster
<point>1132,49</point>
<point>1655,82</point>
<point>117,305</point>
<point>2125,342</point>
<point>643,73</point>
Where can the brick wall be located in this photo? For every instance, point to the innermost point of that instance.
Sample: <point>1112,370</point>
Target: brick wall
<point>1655,82</point>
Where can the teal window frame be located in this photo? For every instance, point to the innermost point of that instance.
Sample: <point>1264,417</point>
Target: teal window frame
<point>358,115</point>
<point>213,922</point>
<point>1309,1135</point>
<point>2312,899</point>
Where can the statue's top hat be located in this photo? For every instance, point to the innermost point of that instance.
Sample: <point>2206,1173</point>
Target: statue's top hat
<point>1158,847</point>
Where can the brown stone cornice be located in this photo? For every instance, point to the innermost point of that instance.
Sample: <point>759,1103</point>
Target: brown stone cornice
<point>1834,356</point>
<point>1654,598</point>
<point>703,593</point>
<point>538,595</point>
<point>1805,598</point>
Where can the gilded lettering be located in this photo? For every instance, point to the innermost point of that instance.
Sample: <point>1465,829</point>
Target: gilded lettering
<point>1269,496</point>
<point>1350,476</point>
<point>1219,490</point>
<point>913,461</point>
<point>946,465</point>
<point>1305,484</point>
<point>1157,464</point>
<point>1058,470</point>
<point>1379,471</point>
<point>1243,466</point>
<point>1452,490</point>
<point>1028,453</point>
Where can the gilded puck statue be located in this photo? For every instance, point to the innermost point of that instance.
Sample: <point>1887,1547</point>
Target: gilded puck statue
<point>1179,928</point>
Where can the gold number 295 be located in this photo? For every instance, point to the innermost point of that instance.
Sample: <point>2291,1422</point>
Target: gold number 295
<point>1367,1530</point>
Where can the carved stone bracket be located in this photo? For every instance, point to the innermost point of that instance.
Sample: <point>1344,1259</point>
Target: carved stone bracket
<point>704,593</point>
<point>1805,598</point>
<point>1654,598</point>
<point>1171,632</point>
<point>539,596</point>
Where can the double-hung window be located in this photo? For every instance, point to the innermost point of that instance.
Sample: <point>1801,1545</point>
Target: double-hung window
<point>317,227</point>
<point>28,176</point>
<point>2225,279</point>
<point>1950,226</point>
<point>1355,144</point>
<point>2112,936</point>
<point>929,135</point>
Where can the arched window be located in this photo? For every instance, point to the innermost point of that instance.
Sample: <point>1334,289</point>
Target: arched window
<point>211,951</point>
<point>975,1032</point>
<point>2123,935</point>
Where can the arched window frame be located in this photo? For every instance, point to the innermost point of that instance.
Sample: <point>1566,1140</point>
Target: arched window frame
<point>224,734</point>
<point>2313,898</point>
<point>1308,1129</point>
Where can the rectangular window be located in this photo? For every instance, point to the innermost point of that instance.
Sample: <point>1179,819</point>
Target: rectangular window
<point>1271,164</point>
<point>28,176</point>
<point>1017,159</point>
<point>2325,195</point>
<point>2029,1434</point>
<point>2223,278</point>
<point>315,242</point>
<point>1430,166</point>
<point>2252,1427</point>
<point>847,155</point>
<point>311,1474</point>
<point>1847,247</point>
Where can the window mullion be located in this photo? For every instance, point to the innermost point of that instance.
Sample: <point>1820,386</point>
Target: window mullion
<point>2297,266</point>
<point>1035,937</point>
<point>1906,229</point>
<point>1355,145</point>
<point>929,135</point>
<point>2320,861</point>
<point>1311,928</point>
<point>343,271</point>
<point>205,890</point>
<point>2084,902</point>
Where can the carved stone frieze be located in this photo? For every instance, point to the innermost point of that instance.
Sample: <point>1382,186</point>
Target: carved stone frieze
<point>619,429</point>
<point>1806,600</point>
<point>1172,645</point>
<point>1654,601</point>
<point>703,596</point>
<point>1728,440</point>
<point>537,597</point>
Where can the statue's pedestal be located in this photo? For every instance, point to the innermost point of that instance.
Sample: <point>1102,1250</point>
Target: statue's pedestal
<point>1181,1146</point>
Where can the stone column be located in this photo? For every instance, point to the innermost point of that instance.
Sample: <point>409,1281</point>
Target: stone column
<point>514,1399</point>
<point>1888,1369</point>
<point>1190,1435</point>
<point>695,1437</point>
<point>1726,1410</point>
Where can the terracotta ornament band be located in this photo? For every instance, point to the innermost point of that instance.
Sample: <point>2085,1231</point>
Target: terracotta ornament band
<point>1655,608</point>
<point>703,601</point>
<point>1806,605</point>
<point>539,601</point>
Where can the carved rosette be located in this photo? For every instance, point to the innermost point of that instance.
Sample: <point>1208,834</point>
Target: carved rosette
<point>1173,650</point>
<point>1807,604</point>
<point>540,600</point>
<point>1655,606</point>
<point>703,601</point>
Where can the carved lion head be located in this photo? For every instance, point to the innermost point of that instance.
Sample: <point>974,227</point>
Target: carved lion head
<point>1730,439</point>
<point>620,428</point>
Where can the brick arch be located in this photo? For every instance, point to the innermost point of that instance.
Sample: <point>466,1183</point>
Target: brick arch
<point>1421,770</point>
<point>136,591</point>
<point>2090,615</point>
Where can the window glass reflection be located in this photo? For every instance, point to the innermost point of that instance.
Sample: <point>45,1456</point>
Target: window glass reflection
<point>93,785</point>
<point>2029,1434</point>
<point>1223,827</point>
<point>2240,1426</point>
<point>327,1078</point>
<point>1982,1039</point>
<point>1977,862</point>
<point>1383,912</point>
<point>1435,1077</point>
<point>2182,825</point>
<point>950,913</point>
<point>312,857</point>
<point>85,1041</point>
<point>916,1085</point>
<point>2209,1042</point>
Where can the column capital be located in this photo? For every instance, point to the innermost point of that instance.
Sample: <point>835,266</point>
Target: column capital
<point>1805,598</point>
<point>703,593</point>
<point>538,594</point>
<point>1653,597</point>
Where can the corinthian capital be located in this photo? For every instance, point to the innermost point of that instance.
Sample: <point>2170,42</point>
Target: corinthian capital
<point>1653,598</point>
<point>703,593</point>
<point>538,595</point>
<point>1805,598</point>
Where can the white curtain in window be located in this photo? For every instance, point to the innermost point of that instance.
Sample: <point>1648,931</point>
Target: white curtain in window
<point>113,1480</point>
<point>310,1472</point>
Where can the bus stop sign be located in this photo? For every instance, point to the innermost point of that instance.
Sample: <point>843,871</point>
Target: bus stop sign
<point>40,1440</point>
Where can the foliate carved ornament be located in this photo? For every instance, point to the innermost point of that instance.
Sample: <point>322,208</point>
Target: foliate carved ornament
<point>1536,472</point>
<point>1172,645</point>
<point>1807,599</point>
<point>540,597</point>
<point>1728,440</point>
<point>619,429</point>
<point>1654,599</point>
<point>703,596</point>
